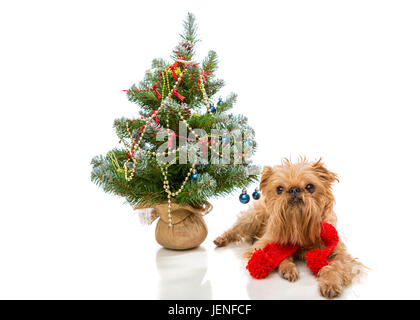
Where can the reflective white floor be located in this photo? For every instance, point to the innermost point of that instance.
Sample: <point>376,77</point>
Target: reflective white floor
<point>97,249</point>
<point>208,273</point>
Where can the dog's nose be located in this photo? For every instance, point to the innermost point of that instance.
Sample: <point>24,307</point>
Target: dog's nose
<point>294,191</point>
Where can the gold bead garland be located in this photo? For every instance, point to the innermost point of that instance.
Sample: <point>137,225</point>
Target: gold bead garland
<point>129,173</point>
<point>195,135</point>
<point>167,188</point>
<point>148,121</point>
<point>203,91</point>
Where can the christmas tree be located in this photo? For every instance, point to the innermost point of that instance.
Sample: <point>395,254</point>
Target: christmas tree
<point>185,147</point>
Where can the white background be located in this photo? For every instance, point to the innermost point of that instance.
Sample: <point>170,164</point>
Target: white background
<point>332,79</point>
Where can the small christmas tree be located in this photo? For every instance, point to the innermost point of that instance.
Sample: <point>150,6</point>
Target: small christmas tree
<point>185,147</point>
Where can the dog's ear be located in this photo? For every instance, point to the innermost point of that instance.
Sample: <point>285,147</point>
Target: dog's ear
<point>323,173</point>
<point>266,174</point>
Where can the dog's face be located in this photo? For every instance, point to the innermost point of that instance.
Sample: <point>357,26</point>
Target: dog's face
<point>297,196</point>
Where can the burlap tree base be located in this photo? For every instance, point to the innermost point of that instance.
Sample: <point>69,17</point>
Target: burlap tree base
<point>188,229</point>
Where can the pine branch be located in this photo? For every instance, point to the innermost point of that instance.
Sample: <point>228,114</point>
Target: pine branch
<point>210,62</point>
<point>190,29</point>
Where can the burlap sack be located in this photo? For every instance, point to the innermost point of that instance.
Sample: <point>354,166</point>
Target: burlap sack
<point>188,230</point>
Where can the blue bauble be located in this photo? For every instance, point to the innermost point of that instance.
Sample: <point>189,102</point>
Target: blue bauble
<point>194,176</point>
<point>220,102</point>
<point>244,198</point>
<point>225,140</point>
<point>248,143</point>
<point>256,195</point>
<point>213,109</point>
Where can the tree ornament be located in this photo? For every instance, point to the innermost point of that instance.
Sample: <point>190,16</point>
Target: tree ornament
<point>220,102</point>
<point>186,111</point>
<point>194,175</point>
<point>244,197</point>
<point>256,194</point>
<point>248,143</point>
<point>187,45</point>
<point>225,140</point>
<point>213,109</point>
<point>115,163</point>
<point>177,71</point>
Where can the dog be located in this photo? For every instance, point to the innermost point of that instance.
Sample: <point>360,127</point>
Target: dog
<point>296,198</point>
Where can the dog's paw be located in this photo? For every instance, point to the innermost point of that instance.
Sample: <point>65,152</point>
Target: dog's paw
<point>248,253</point>
<point>220,241</point>
<point>289,272</point>
<point>330,289</point>
<point>330,283</point>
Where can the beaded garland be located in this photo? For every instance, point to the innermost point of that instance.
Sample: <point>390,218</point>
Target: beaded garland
<point>178,76</point>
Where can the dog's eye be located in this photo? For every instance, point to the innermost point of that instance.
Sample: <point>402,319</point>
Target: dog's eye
<point>279,190</point>
<point>310,188</point>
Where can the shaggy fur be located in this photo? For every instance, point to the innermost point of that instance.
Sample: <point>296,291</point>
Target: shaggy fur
<point>295,218</point>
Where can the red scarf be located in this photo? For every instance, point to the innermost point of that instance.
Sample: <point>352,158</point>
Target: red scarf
<point>265,260</point>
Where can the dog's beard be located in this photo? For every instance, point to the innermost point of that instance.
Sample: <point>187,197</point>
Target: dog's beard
<point>295,201</point>
<point>296,221</point>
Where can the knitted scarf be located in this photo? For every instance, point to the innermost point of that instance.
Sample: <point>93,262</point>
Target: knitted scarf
<point>264,260</point>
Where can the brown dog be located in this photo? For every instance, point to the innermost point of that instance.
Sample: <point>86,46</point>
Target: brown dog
<point>296,198</point>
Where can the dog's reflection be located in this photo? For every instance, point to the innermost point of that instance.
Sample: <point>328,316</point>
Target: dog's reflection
<point>182,274</point>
